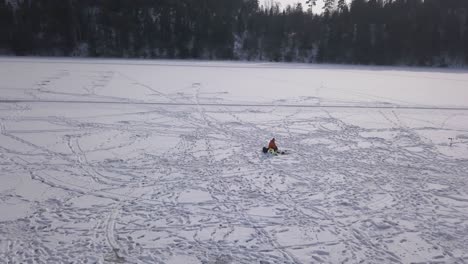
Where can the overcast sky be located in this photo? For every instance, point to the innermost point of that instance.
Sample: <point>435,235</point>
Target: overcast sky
<point>284,3</point>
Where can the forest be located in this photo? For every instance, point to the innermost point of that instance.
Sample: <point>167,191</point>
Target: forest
<point>370,32</point>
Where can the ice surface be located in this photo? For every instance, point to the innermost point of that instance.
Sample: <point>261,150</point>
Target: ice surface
<point>126,161</point>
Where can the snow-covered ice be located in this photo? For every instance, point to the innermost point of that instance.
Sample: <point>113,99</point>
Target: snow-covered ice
<point>127,161</point>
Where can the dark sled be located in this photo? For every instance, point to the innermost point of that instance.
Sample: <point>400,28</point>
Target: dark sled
<point>265,150</point>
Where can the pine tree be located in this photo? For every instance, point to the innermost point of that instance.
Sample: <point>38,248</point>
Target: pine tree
<point>328,6</point>
<point>6,25</point>
<point>342,6</point>
<point>465,40</point>
<point>311,4</point>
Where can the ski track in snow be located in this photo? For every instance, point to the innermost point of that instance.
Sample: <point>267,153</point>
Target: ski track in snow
<point>188,183</point>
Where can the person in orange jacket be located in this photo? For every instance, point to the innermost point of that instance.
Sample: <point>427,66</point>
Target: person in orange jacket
<point>272,145</point>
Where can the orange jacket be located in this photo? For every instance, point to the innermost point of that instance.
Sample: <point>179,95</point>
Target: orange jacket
<point>272,145</point>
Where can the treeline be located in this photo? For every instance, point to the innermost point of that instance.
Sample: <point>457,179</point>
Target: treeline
<point>411,32</point>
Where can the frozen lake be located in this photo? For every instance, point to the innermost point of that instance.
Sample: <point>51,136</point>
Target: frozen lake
<point>128,161</point>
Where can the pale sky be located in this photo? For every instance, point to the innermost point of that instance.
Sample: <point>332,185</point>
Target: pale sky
<point>284,3</point>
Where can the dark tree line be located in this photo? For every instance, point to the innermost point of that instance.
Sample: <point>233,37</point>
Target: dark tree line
<point>414,32</point>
